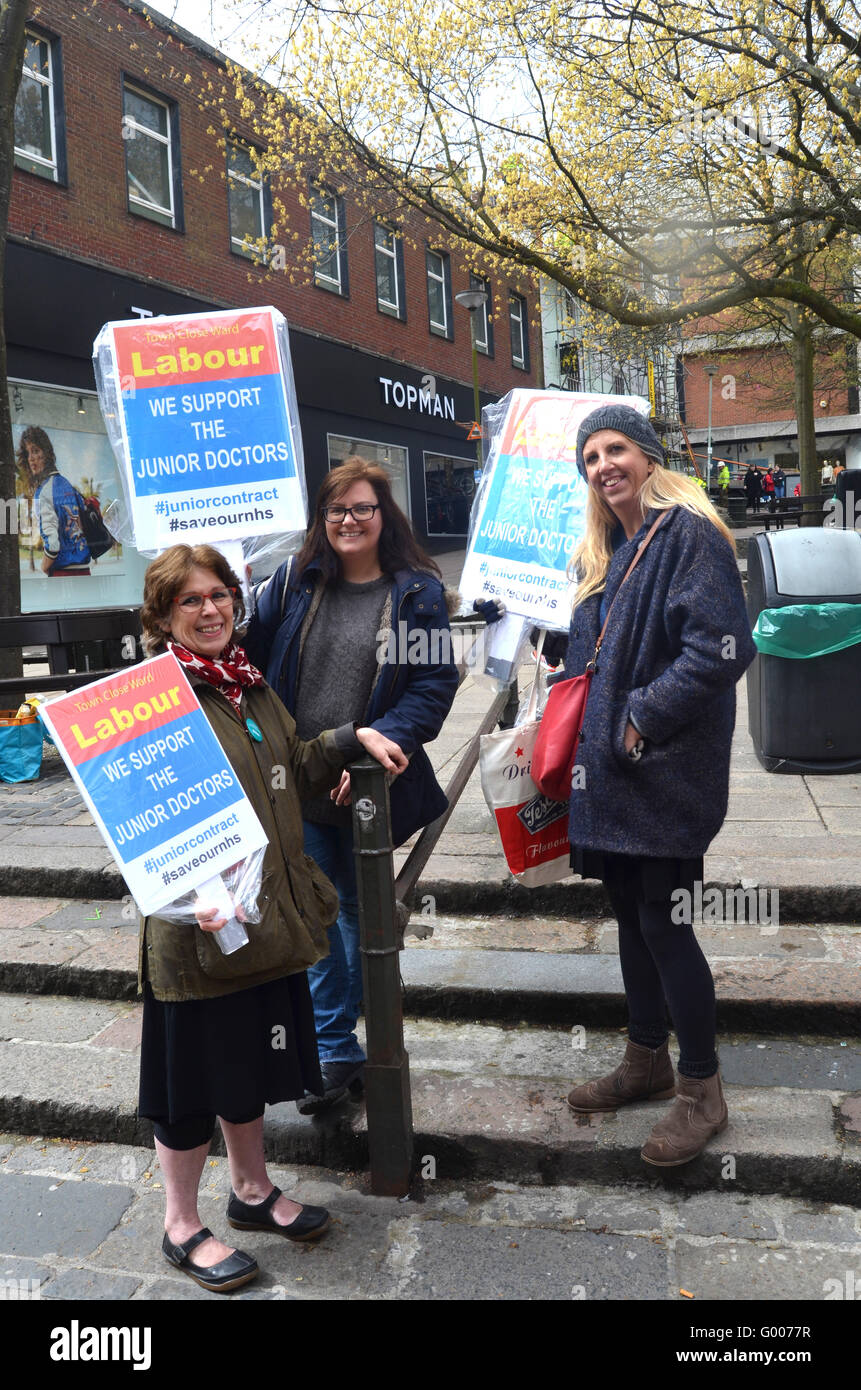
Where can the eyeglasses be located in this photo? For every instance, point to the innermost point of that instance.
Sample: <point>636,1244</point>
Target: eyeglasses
<point>220,597</point>
<point>362,511</point>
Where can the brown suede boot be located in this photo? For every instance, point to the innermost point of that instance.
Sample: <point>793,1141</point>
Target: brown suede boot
<point>643,1075</point>
<point>699,1111</point>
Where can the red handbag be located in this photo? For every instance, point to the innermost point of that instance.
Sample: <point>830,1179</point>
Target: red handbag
<point>555,751</point>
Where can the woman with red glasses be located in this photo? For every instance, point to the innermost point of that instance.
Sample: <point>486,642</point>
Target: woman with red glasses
<point>209,1019</point>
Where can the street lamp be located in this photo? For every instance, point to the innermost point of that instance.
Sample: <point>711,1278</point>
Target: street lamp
<point>473,301</point>
<point>711,370</point>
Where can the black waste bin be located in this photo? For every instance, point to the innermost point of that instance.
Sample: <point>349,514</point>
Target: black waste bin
<point>803,713</point>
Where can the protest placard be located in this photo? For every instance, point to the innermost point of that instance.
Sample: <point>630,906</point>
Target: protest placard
<point>529,512</point>
<point>202,412</point>
<point>155,779</point>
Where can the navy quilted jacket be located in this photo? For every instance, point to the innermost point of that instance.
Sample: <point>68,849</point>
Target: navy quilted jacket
<point>677,642</point>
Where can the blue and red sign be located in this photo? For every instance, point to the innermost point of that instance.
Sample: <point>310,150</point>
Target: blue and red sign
<point>206,427</point>
<point>155,778</point>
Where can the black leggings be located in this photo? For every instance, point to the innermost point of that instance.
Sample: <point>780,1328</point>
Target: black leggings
<point>193,1131</point>
<point>663,965</point>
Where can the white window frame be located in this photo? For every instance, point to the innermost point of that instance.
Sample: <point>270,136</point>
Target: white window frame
<point>242,247</point>
<point>49,83</point>
<point>482,345</point>
<point>386,305</point>
<point>516,301</point>
<point>444,327</point>
<point>129,123</point>
<point>319,275</point>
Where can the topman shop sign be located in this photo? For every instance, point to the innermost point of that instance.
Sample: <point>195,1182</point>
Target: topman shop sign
<point>424,399</point>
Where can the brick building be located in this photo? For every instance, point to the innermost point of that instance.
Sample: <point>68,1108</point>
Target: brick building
<point>753,412</point>
<point>126,202</point>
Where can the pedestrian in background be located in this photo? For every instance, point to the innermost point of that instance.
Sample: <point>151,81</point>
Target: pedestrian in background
<point>356,628</point>
<point>779,483</point>
<point>654,757</point>
<point>753,487</point>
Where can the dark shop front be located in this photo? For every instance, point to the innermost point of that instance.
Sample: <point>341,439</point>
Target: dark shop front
<point>415,424</point>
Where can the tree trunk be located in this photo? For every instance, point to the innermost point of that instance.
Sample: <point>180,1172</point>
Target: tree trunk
<point>801,352</point>
<point>13,15</point>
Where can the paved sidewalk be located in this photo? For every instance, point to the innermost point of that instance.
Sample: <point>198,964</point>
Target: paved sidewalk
<point>800,835</point>
<point>84,1222</point>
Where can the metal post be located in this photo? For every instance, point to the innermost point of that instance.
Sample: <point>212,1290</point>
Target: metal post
<point>479,452</point>
<point>710,371</point>
<point>387,1071</point>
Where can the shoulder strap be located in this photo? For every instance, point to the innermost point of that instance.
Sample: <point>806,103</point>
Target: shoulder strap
<point>638,555</point>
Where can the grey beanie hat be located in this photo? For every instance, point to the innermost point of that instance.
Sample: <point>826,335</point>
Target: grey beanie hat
<point>627,421</point>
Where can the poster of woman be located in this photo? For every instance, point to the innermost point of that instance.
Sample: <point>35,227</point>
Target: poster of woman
<point>65,477</point>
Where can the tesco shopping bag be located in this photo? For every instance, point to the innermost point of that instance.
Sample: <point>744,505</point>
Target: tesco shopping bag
<point>533,828</point>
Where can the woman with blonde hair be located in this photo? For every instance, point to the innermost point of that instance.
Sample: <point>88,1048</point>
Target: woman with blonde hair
<point>653,762</point>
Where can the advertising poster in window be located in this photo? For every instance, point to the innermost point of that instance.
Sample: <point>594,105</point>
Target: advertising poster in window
<point>66,479</point>
<point>155,779</point>
<point>206,425</point>
<point>529,512</point>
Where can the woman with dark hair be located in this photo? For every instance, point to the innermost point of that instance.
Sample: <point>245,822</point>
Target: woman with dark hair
<point>209,1019</point>
<point>57,505</point>
<point>356,628</point>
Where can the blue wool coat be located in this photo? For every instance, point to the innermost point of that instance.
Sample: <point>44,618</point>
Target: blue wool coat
<point>416,685</point>
<point>677,642</point>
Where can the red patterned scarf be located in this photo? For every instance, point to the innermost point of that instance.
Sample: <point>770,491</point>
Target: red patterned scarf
<point>229,674</point>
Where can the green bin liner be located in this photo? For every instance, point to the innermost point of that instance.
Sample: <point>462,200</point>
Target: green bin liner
<point>805,630</point>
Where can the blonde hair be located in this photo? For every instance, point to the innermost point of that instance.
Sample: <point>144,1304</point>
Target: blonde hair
<point>661,490</point>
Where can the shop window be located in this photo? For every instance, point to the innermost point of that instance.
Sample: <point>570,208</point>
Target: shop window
<point>39,116</point>
<point>389,271</point>
<point>329,241</point>
<point>518,326</point>
<point>248,204</point>
<point>151,139</point>
<point>481,320</point>
<point>449,489</point>
<point>62,449</point>
<point>391,457</point>
<point>439,294</point>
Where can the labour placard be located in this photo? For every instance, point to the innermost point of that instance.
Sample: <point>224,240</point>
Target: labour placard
<point>207,425</point>
<point>529,513</point>
<point>155,779</point>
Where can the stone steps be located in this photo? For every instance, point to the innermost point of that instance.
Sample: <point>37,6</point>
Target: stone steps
<point>488,1103</point>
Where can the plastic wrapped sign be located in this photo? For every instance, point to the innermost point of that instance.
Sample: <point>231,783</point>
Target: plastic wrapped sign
<point>156,781</point>
<point>529,510</point>
<point>201,412</point>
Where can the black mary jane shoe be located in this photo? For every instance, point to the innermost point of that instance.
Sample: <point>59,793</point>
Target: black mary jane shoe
<point>228,1274</point>
<point>243,1216</point>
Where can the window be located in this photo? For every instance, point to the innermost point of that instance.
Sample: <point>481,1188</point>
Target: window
<point>329,241</point>
<point>449,489</point>
<point>569,365</point>
<point>248,204</point>
<point>39,135</point>
<point>481,322</point>
<point>151,138</point>
<point>389,271</point>
<point>392,457</point>
<point>439,294</point>
<point>517,323</point>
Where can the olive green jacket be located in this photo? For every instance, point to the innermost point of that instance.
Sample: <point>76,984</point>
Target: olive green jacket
<point>297,901</point>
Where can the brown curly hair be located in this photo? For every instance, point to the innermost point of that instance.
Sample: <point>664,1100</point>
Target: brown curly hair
<point>399,548</point>
<point>164,579</point>
<point>34,434</point>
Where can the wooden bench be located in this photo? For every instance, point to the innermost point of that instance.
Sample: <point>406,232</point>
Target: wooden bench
<point>80,647</point>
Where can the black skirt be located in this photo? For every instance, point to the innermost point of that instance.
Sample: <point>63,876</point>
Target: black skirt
<point>653,880</point>
<point>229,1056</point>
